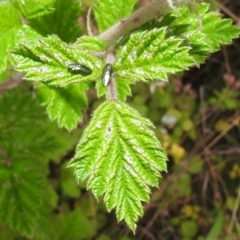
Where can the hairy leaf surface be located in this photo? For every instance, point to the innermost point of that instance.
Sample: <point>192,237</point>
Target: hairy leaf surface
<point>149,56</point>
<point>47,60</point>
<point>121,158</point>
<point>217,31</point>
<point>204,35</point>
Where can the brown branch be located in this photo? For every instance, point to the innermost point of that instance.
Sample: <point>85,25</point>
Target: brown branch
<point>13,82</point>
<point>143,15</point>
<point>111,85</point>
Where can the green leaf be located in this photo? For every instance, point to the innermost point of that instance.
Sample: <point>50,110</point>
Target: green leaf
<point>108,12</point>
<point>9,26</point>
<point>180,188</point>
<point>62,22</point>
<point>47,60</point>
<point>27,133</point>
<point>217,226</point>
<point>4,75</point>
<point>11,38</point>
<point>21,188</point>
<point>230,203</point>
<point>68,183</point>
<point>75,226</point>
<point>195,165</point>
<point>27,141</point>
<point>7,233</point>
<point>9,17</point>
<point>45,229</point>
<point>64,104</point>
<point>122,89</point>
<point>33,8</point>
<point>121,158</point>
<point>150,56</point>
<point>101,90</point>
<point>188,229</point>
<point>203,40</point>
<point>217,31</point>
<point>90,43</point>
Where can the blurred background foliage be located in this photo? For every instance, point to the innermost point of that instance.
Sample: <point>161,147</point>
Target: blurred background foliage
<point>197,119</point>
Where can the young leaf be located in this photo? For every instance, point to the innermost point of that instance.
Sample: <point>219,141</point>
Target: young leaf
<point>62,22</point>
<point>64,104</point>
<point>48,59</point>
<point>217,31</point>
<point>121,158</point>
<point>33,8</point>
<point>204,39</point>
<point>9,26</point>
<point>150,56</point>
<point>108,12</point>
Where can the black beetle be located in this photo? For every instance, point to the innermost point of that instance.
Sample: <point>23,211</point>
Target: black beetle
<point>76,68</point>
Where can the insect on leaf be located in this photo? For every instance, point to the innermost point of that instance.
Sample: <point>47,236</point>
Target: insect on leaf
<point>52,61</point>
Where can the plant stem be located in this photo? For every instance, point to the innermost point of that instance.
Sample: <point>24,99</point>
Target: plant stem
<point>111,85</point>
<point>143,15</point>
<point>112,89</point>
<point>13,82</point>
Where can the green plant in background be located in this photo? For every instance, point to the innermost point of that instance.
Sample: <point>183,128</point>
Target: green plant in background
<point>118,154</point>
